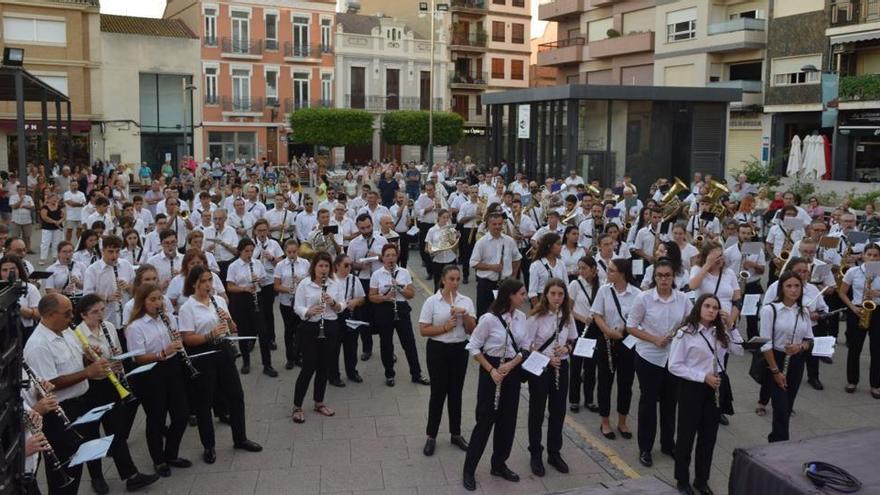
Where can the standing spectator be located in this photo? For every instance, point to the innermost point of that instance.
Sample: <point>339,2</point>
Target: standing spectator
<point>413,182</point>
<point>816,211</point>
<point>5,209</point>
<point>387,189</point>
<point>51,222</point>
<point>74,200</point>
<point>63,180</point>
<point>167,170</point>
<point>22,220</point>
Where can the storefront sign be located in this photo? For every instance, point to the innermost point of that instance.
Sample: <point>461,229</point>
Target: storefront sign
<point>524,113</point>
<point>474,131</point>
<point>829,99</point>
<point>79,126</point>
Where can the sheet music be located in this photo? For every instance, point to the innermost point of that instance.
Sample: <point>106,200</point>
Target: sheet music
<point>824,346</point>
<point>750,304</point>
<point>536,363</point>
<point>585,347</point>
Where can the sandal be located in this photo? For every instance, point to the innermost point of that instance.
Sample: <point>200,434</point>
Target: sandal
<point>850,388</point>
<point>761,410</point>
<point>324,410</point>
<point>299,416</point>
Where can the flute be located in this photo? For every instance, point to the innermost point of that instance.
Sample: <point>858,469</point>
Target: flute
<point>175,337</point>
<point>87,349</point>
<point>503,360</point>
<point>321,334</point>
<point>715,372</point>
<point>49,453</point>
<point>254,281</point>
<point>45,393</point>
<point>115,351</point>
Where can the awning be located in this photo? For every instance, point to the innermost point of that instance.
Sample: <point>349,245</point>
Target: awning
<point>854,37</point>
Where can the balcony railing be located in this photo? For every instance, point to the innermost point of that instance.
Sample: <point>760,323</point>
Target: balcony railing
<point>271,44</point>
<point>211,100</point>
<point>209,41</point>
<point>469,113</point>
<point>469,78</point>
<point>240,46</point>
<point>468,5</point>
<point>745,86</point>
<point>291,104</point>
<point>88,3</point>
<point>272,101</point>
<point>375,103</point>
<point>298,50</point>
<point>849,12</point>
<point>553,45</point>
<point>233,104</point>
<point>741,24</point>
<point>477,40</point>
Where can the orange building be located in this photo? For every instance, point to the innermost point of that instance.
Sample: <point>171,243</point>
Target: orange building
<point>261,60</point>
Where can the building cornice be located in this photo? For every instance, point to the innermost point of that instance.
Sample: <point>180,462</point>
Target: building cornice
<point>93,9</point>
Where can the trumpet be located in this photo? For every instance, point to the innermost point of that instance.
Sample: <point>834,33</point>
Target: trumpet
<point>175,336</point>
<point>184,214</point>
<point>51,458</point>
<point>42,392</point>
<point>123,392</point>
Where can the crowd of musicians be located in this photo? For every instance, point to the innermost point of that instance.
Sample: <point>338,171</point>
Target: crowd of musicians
<point>650,288</point>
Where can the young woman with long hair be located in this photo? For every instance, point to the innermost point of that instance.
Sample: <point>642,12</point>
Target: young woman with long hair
<point>496,344</point>
<point>447,318</point>
<point>132,250</point>
<point>710,275</point>
<point>583,370</point>
<point>571,252</point>
<point>353,292</point>
<point>546,265</point>
<point>88,248</point>
<point>176,288</point>
<point>668,250</point>
<point>551,331</point>
<point>440,259</point>
<point>243,278</point>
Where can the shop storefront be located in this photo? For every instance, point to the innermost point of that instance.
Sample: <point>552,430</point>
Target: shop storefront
<point>859,138</point>
<point>78,145</point>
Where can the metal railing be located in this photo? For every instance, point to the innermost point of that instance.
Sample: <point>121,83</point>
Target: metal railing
<point>477,39</point>
<point>305,51</point>
<point>211,100</point>
<point>553,45</point>
<point>271,44</point>
<point>272,101</point>
<point>849,12</point>
<point>242,46</point>
<point>291,104</point>
<point>209,41</point>
<point>252,104</point>
<point>469,77</point>
<point>469,4</point>
<point>375,103</point>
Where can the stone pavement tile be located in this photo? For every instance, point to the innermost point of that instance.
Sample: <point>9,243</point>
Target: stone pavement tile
<point>578,461</point>
<point>267,459</point>
<point>493,485</point>
<point>392,426</point>
<point>304,480</point>
<point>413,472</point>
<point>452,467</point>
<point>403,387</point>
<point>393,491</point>
<point>347,477</point>
<point>321,452</point>
<point>555,481</point>
<point>372,407</point>
<point>227,483</point>
<point>177,484</point>
<point>456,489</point>
<point>352,391</point>
<point>379,449</point>
<point>281,433</point>
<point>335,428</point>
<point>415,406</point>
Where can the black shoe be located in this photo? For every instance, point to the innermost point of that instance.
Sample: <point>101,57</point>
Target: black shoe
<point>223,418</point>
<point>645,459</point>
<point>395,358</point>
<point>273,346</point>
<point>724,420</point>
<point>209,456</point>
<point>505,473</point>
<point>669,452</point>
<point>826,360</point>
<point>574,408</point>
<point>289,365</point>
<point>466,281</point>
<point>140,480</point>
<point>421,380</point>
<point>356,378</point>
<point>99,485</point>
<point>337,382</point>
<point>162,470</point>
<point>248,445</point>
<point>180,462</point>
<point>270,371</point>
<point>469,482</point>
<point>591,407</point>
<point>459,442</point>
<point>815,383</point>
<point>537,466</point>
<point>625,434</point>
<point>192,420</point>
<point>389,382</point>
<point>703,490</point>
<point>429,447</point>
<point>365,356</point>
<point>610,435</point>
<point>245,369</point>
<point>684,488</point>
<point>558,462</point>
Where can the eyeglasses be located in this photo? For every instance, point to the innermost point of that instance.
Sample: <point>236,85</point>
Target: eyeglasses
<point>663,275</point>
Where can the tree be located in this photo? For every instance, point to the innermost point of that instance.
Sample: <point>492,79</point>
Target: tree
<point>411,127</point>
<point>331,126</point>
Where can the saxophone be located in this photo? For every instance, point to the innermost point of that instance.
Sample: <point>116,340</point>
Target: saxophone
<point>868,306</point>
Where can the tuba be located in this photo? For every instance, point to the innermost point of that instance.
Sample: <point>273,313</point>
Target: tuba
<point>594,191</point>
<point>716,191</point>
<point>671,205</point>
<point>570,217</point>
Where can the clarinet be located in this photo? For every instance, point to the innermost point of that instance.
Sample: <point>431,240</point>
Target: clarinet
<point>254,280</point>
<point>115,351</point>
<point>321,334</point>
<point>44,393</point>
<point>175,336</point>
<point>555,346</point>
<point>119,293</point>
<point>394,291</point>
<point>51,458</point>
<point>225,344</point>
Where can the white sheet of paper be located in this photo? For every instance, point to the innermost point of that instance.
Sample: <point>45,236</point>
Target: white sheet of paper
<point>638,267</point>
<point>369,260</point>
<point>339,239</point>
<point>93,449</point>
<point>730,242</point>
<point>536,363</point>
<point>792,223</point>
<point>140,369</point>
<point>93,415</point>
<point>585,347</point>
<point>692,295</point>
<point>872,268</point>
<point>820,272</point>
<point>630,341</point>
<point>752,248</point>
<point>237,338</point>
<point>824,346</point>
<point>495,294</point>
<point>193,356</point>
<point>129,354</point>
<point>354,324</point>
<point>413,231</point>
<point>750,304</point>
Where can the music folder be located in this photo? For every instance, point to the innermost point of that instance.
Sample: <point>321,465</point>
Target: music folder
<point>331,229</point>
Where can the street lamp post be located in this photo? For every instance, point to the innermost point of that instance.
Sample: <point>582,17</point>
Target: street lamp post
<point>187,88</point>
<point>435,8</point>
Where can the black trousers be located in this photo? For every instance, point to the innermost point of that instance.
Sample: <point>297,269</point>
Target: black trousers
<point>116,422</point>
<point>812,362</point>
<point>224,268</point>
<point>447,367</point>
<point>583,370</point>
<point>347,345</point>
<point>546,394</point>
<point>365,313</point>
<point>485,297</point>
<point>218,377</point>
<point>623,360</point>
<point>833,301</point>
<point>404,249</point>
<point>162,392</point>
<point>465,250</point>
<point>292,351</point>
<point>502,420</point>
<point>423,232</point>
<point>656,384</point>
<point>384,320</point>
<point>64,444</point>
<point>437,270</point>
<point>267,310</point>
<point>698,419</point>
<point>752,329</point>
<point>524,265</point>
<point>855,341</point>
<point>250,323</point>
<point>317,356</point>
<point>783,399</point>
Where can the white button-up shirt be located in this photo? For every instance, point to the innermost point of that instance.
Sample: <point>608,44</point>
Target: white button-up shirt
<point>305,223</point>
<point>272,247</point>
<point>243,274</point>
<point>22,216</point>
<point>61,276</point>
<point>855,278</point>
<point>490,337</point>
<point>290,272</point>
<point>74,213</point>
<point>433,237</point>
<point>148,335</point>
<point>401,217</point>
<point>376,214</point>
<point>382,280</point>
<point>541,271</point>
<point>245,221</point>
<point>281,218</point>
<point>51,355</point>
<point>352,288</point>
<point>692,357</point>
<point>726,287</point>
<point>424,202</point>
<point>543,327</point>
<point>491,250</point>
<point>652,314</point>
<point>570,258</point>
<point>227,236</point>
<point>97,338</point>
<point>361,247</point>
<point>166,266</point>
<point>793,326</point>
<point>175,289</point>
<point>136,257</point>
<point>734,258</point>
<point>604,305</point>
<point>581,293</point>
<point>309,293</point>
<point>200,318</point>
<point>812,299</point>
<point>436,312</point>
<point>776,238</point>
<point>100,279</point>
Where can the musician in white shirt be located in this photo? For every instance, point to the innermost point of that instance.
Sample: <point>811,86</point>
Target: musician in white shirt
<point>221,240</point>
<point>111,278</point>
<point>437,238</point>
<point>269,253</point>
<point>253,205</point>
<point>368,245</point>
<point>178,225</point>
<point>67,274</point>
<point>281,220</point>
<point>306,220</point>
<point>152,245</point>
<point>288,273</point>
<point>495,257</point>
<point>243,279</point>
<point>168,261</point>
<point>426,216</point>
<point>546,266</point>
<point>241,220</point>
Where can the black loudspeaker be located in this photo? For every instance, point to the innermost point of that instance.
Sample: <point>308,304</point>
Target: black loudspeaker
<point>11,408</point>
